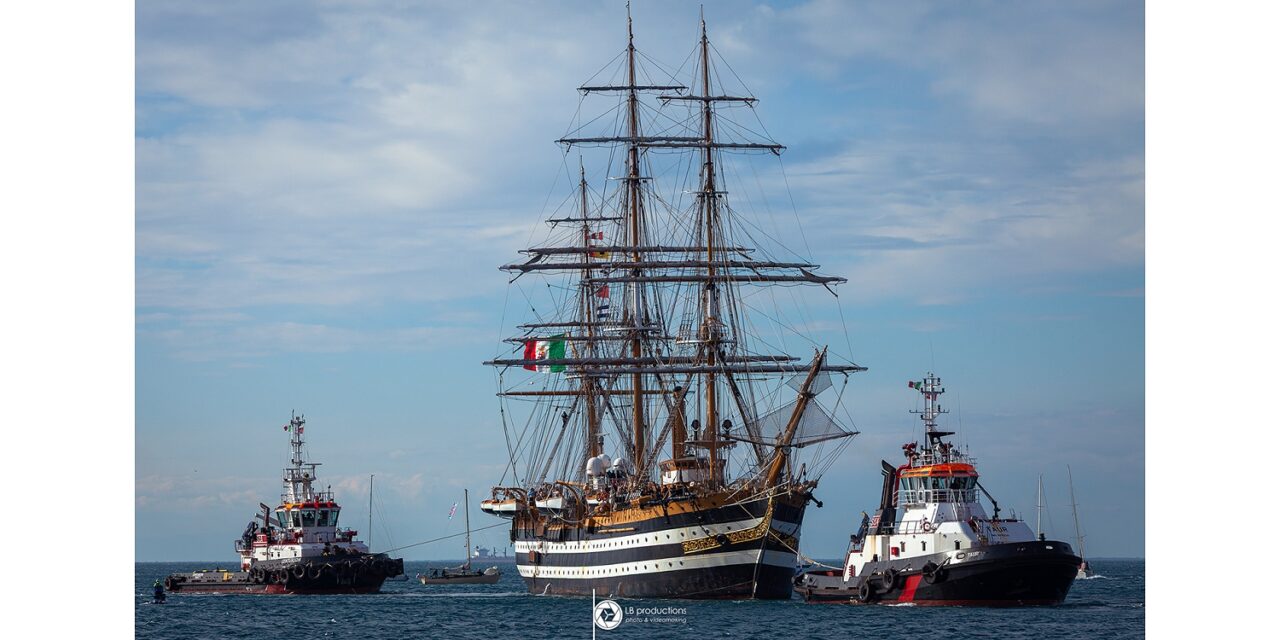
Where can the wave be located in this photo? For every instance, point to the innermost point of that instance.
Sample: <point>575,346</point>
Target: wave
<point>462,594</point>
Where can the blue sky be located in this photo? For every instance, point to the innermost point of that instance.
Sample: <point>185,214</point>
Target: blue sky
<point>324,192</point>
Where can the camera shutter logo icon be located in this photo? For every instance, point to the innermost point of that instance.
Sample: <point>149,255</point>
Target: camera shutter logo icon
<point>608,615</point>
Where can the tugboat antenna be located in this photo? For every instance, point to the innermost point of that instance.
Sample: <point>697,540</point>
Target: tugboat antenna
<point>931,387</point>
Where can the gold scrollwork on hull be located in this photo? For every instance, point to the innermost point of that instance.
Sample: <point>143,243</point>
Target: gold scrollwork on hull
<point>707,543</point>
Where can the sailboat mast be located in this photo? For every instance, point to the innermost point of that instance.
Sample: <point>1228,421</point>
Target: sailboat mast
<point>369,536</point>
<point>1074,515</point>
<point>710,323</point>
<point>1039,505</point>
<point>634,214</point>
<point>466,508</point>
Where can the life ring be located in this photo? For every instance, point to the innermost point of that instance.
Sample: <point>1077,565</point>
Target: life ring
<point>168,583</point>
<point>926,525</point>
<point>865,592</point>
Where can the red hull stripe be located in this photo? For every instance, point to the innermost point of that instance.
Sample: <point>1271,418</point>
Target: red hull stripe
<point>909,589</point>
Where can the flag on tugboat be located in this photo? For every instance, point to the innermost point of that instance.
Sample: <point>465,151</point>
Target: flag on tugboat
<point>603,291</point>
<point>596,235</point>
<point>549,349</point>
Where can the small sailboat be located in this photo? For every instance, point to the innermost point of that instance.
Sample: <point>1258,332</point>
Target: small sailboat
<point>462,574</point>
<point>1084,571</point>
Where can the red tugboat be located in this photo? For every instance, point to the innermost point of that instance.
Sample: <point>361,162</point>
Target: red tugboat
<point>944,550</point>
<point>300,549</point>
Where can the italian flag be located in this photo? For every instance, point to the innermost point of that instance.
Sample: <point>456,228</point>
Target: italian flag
<point>550,349</point>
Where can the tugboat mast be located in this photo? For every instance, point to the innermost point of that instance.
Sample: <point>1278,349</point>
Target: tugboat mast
<point>931,387</point>
<point>298,477</point>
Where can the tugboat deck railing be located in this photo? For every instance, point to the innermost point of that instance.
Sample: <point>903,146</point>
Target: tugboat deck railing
<point>921,496</point>
<point>930,459</point>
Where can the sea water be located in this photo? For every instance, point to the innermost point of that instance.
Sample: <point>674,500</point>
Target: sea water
<point>1110,605</point>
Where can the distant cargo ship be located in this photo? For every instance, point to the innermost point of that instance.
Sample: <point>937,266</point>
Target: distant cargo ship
<point>488,555</point>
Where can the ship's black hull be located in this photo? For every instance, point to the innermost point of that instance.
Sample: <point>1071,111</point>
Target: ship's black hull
<point>1013,574</point>
<point>741,581</point>
<point>742,551</point>
<point>326,575</point>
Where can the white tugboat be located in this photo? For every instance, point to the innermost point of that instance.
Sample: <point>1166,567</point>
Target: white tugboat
<point>300,549</point>
<point>945,549</point>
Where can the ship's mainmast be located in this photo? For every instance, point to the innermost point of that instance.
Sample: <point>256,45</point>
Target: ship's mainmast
<point>634,217</point>
<point>711,318</point>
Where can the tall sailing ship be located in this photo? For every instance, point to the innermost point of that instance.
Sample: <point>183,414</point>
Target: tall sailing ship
<point>667,450</point>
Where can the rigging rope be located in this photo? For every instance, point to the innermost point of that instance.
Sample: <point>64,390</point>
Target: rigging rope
<point>455,535</point>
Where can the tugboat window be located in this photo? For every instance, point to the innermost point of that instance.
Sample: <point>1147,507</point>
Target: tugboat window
<point>323,519</point>
<point>308,518</point>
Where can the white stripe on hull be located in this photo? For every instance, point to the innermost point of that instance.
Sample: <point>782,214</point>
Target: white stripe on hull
<point>650,539</point>
<point>661,565</point>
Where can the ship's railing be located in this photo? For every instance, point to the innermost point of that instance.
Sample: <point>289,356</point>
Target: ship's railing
<point>921,496</point>
<point>926,459</point>
<point>319,496</point>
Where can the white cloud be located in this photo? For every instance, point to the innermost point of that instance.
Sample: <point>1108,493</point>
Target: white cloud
<point>1046,63</point>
